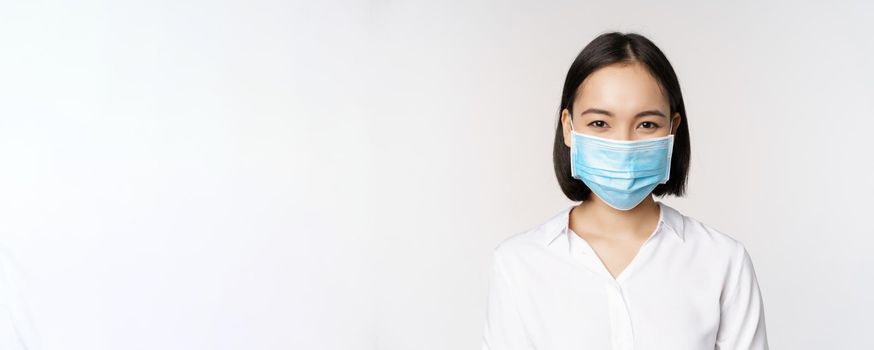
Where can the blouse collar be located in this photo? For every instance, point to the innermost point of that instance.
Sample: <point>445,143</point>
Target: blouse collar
<point>668,216</point>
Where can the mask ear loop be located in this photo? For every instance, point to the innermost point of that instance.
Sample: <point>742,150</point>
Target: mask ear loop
<point>670,151</point>
<point>571,117</point>
<point>571,148</point>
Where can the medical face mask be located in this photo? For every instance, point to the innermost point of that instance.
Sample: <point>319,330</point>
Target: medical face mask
<point>621,173</point>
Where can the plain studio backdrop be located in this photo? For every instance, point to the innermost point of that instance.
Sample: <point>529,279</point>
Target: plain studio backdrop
<point>335,175</point>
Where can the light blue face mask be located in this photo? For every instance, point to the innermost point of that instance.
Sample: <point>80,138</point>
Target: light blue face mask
<point>621,173</point>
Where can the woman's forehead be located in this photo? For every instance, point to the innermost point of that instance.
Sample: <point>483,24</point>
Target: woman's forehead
<point>623,89</point>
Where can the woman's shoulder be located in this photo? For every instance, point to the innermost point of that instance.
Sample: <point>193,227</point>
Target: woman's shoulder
<point>706,237</point>
<point>711,248</point>
<point>717,250</point>
<point>534,237</point>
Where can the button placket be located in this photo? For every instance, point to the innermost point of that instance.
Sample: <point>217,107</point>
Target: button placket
<point>621,331</point>
<point>621,334</point>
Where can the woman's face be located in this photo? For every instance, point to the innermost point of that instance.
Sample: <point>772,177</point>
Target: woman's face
<point>620,102</point>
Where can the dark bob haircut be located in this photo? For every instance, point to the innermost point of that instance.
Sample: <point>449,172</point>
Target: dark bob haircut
<point>607,49</point>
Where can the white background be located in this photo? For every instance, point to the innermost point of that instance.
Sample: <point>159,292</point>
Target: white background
<point>334,175</point>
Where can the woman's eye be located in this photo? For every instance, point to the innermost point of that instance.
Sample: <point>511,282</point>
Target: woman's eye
<point>651,125</point>
<point>598,124</point>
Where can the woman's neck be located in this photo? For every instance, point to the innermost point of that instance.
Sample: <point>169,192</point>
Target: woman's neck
<point>595,217</point>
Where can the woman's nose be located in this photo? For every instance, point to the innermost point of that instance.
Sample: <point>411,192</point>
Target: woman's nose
<point>625,135</point>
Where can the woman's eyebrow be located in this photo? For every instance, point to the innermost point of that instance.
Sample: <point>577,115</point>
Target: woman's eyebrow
<point>654,112</point>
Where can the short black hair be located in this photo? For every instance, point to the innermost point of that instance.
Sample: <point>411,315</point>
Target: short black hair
<point>607,49</point>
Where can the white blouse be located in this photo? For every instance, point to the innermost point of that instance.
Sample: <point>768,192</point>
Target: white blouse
<point>690,287</point>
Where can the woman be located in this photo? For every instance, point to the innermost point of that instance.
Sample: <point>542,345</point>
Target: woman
<point>621,270</point>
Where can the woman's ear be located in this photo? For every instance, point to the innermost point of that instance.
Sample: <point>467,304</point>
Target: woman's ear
<point>675,123</point>
<point>566,126</point>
